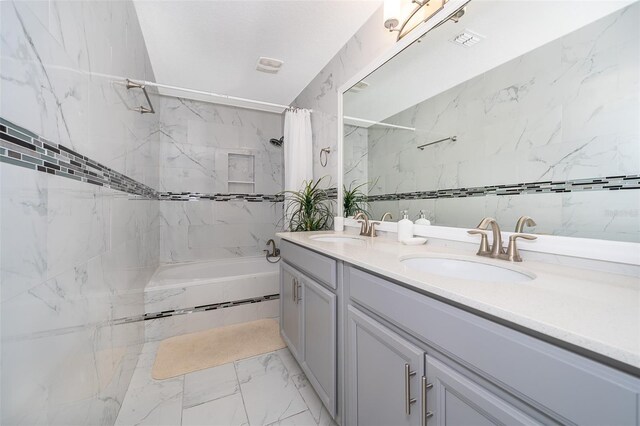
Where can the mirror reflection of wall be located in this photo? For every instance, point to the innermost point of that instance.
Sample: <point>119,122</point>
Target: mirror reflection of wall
<point>552,133</point>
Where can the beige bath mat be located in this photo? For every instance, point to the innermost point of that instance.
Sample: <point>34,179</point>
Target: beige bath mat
<point>196,351</point>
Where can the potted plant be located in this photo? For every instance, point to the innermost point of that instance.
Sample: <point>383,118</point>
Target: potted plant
<point>308,209</point>
<point>354,200</point>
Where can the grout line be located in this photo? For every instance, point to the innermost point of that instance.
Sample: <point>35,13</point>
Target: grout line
<point>182,400</point>
<point>244,404</point>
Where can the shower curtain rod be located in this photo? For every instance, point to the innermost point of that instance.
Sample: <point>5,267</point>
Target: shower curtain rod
<point>215,95</point>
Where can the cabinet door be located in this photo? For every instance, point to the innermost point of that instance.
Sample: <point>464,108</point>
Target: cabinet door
<point>319,340</point>
<point>453,399</point>
<point>290,309</point>
<point>384,373</point>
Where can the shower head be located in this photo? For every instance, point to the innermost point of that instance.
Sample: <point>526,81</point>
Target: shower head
<point>277,142</point>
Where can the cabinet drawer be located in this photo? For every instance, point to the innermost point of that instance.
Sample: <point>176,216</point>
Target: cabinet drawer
<point>575,388</point>
<point>316,265</point>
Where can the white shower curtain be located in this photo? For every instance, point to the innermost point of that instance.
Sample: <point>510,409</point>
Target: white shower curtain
<point>298,156</point>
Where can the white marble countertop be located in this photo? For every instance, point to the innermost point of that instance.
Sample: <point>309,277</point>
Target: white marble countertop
<point>594,310</point>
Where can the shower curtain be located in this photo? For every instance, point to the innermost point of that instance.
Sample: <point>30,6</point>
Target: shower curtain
<point>298,157</point>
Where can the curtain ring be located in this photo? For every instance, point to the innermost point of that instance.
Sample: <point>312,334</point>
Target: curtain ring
<point>326,151</point>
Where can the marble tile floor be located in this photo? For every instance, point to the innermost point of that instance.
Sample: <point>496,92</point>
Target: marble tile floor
<point>268,389</point>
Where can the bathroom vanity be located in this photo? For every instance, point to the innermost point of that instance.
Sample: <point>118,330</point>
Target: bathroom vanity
<point>386,343</point>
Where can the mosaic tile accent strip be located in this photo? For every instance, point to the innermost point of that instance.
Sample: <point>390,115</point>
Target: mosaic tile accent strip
<point>197,196</point>
<point>23,148</point>
<point>332,194</point>
<point>609,183</point>
<point>138,318</point>
<point>203,308</point>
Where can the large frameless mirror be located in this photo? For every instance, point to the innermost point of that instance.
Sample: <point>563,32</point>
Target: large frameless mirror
<point>520,108</point>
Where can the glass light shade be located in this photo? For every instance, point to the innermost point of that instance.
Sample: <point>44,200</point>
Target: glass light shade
<point>423,13</point>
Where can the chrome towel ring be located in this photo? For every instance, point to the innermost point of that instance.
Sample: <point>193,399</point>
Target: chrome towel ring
<point>326,151</point>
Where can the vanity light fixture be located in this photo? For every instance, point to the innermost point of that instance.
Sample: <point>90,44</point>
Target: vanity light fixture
<point>405,15</point>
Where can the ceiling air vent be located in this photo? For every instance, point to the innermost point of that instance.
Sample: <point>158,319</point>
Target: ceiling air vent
<point>467,38</point>
<point>269,65</point>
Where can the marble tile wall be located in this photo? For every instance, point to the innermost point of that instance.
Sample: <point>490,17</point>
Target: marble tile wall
<point>74,256</point>
<point>321,95</point>
<point>196,139</point>
<point>567,110</point>
<point>355,157</point>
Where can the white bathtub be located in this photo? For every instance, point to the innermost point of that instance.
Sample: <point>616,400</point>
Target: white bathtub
<point>180,286</point>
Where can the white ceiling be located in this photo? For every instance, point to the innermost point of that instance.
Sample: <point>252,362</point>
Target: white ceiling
<point>434,65</point>
<point>214,45</point>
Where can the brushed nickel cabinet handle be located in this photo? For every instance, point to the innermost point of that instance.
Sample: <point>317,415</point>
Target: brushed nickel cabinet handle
<point>425,414</point>
<point>407,389</point>
<point>298,288</point>
<point>293,289</point>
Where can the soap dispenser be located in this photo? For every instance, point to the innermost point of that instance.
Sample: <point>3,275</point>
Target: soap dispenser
<point>405,227</point>
<point>423,220</point>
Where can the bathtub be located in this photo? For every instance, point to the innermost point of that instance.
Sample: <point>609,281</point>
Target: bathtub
<point>247,288</point>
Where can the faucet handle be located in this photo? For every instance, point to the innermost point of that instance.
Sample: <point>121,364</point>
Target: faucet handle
<point>512,253</point>
<point>524,221</point>
<point>484,241</point>
<point>372,228</point>
<point>513,237</point>
<point>363,227</point>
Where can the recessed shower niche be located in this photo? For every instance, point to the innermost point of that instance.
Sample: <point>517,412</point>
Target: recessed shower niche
<point>241,173</point>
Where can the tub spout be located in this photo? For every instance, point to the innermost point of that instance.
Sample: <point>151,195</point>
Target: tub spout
<point>275,252</point>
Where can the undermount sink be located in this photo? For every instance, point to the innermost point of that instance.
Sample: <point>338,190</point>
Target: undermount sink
<point>466,269</point>
<point>345,239</point>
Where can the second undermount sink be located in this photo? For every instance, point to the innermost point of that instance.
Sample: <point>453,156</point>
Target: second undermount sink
<point>466,269</point>
<point>345,239</point>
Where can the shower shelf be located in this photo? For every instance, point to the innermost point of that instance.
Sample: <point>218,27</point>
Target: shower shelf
<point>241,181</point>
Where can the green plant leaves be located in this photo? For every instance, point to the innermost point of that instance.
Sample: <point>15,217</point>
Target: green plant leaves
<point>354,200</point>
<point>309,209</point>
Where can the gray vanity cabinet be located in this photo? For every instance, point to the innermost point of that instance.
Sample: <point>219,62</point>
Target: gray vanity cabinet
<point>290,309</point>
<point>390,355</point>
<point>319,331</point>
<point>384,375</point>
<point>516,376</point>
<point>308,317</point>
<point>453,399</point>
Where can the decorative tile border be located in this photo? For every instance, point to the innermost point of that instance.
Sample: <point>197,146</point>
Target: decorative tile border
<point>609,183</point>
<point>23,148</point>
<point>197,196</point>
<point>202,308</point>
